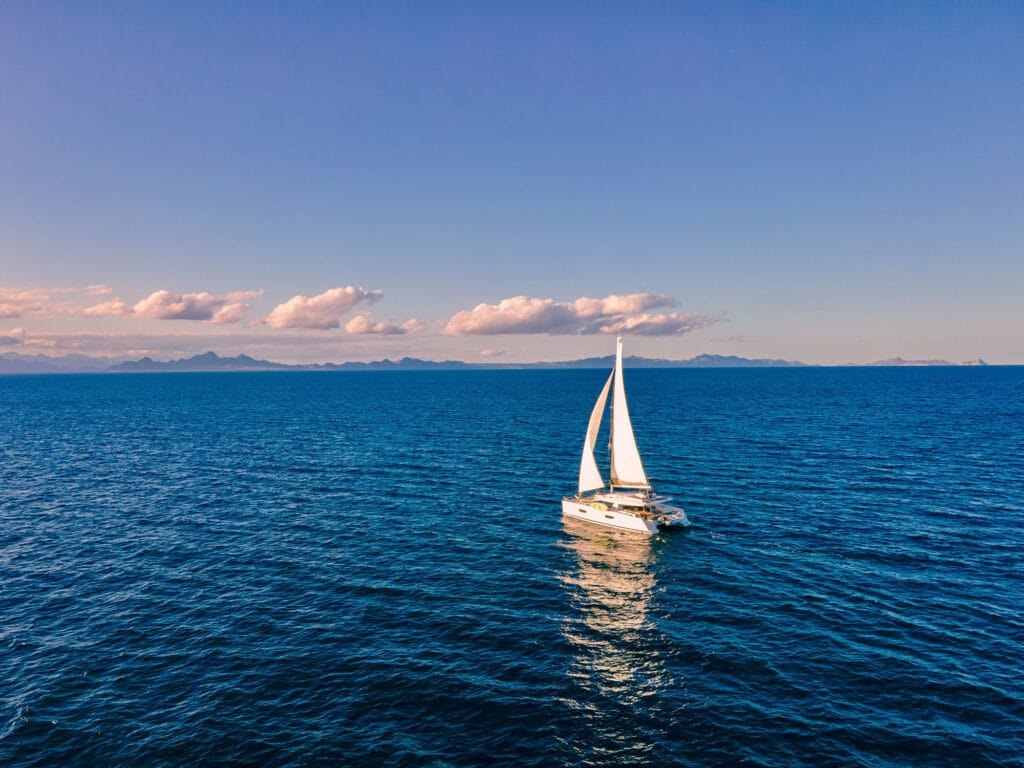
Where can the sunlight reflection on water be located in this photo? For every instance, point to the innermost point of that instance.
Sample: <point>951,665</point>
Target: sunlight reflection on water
<point>615,661</point>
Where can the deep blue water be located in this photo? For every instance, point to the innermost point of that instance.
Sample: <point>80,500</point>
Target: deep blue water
<point>296,569</point>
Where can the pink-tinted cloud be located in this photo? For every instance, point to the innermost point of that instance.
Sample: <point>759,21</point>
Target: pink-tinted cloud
<point>230,313</point>
<point>16,302</point>
<point>321,312</point>
<point>615,305</point>
<point>12,338</point>
<point>114,307</point>
<point>363,323</point>
<point>650,324</point>
<point>489,352</point>
<point>518,314</point>
<point>611,314</point>
<point>206,307</point>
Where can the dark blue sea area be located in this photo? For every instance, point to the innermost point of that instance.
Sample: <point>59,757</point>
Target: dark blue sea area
<point>363,569</point>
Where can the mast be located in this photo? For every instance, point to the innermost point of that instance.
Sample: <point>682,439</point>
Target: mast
<point>611,432</point>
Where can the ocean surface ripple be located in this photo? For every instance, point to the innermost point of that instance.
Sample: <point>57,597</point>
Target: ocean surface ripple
<point>297,569</point>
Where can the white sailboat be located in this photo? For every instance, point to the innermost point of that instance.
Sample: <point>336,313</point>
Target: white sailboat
<point>628,501</point>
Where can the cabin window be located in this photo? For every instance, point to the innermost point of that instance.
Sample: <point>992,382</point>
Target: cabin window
<point>583,510</point>
<point>610,517</point>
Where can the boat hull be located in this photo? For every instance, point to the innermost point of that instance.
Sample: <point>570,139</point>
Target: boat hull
<point>612,518</point>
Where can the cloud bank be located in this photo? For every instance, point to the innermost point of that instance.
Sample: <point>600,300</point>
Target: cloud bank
<point>12,338</point>
<point>166,305</point>
<point>114,307</point>
<point>613,314</point>
<point>322,312</point>
<point>15,302</point>
<point>363,324</point>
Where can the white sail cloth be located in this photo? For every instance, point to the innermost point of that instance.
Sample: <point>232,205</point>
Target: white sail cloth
<point>590,475</point>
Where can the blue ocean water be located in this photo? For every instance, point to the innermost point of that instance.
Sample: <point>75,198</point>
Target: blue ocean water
<point>297,569</point>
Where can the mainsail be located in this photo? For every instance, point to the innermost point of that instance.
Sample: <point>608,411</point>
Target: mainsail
<point>590,475</point>
<point>627,469</point>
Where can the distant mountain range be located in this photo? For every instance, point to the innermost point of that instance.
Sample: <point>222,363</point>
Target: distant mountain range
<point>12,362</point>
<point>212,362</point>
<point>209,361</point>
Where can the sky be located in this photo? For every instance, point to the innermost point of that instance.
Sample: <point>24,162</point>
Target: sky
<point>303,182</point>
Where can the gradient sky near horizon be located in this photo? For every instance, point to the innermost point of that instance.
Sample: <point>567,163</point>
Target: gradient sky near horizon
<point>309,182</point>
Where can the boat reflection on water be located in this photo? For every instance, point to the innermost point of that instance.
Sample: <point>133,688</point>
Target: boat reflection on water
<point>617,668</point>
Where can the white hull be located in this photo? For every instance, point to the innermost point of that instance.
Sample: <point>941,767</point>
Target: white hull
<point>582,509</point>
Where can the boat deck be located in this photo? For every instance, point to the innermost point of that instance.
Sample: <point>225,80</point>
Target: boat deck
<point>631,499</point>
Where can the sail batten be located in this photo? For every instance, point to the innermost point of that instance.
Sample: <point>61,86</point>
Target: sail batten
<point>626,467</point>
<point>590,475</point>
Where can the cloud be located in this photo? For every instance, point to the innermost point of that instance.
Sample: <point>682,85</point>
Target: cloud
<point>162,305</point>
<point>207,307</point>
<point>363,323</point>
<point>667,324</point>
<point>516,315</point>
<point>321,312</point>
<point>115,307</point>
<point>12,338</point>
<point>612,314</point>
<point>230,313</point>
<point>621,305</point>
<point>492,352</point>
<point>14,302</point>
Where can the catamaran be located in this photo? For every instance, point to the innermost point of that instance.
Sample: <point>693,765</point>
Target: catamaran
<point>629,502</point>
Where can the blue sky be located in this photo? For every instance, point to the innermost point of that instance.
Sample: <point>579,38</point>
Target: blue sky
<point>826,182</point>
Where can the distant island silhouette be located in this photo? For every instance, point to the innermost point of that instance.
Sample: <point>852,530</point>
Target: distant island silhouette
<point>12,362</point>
